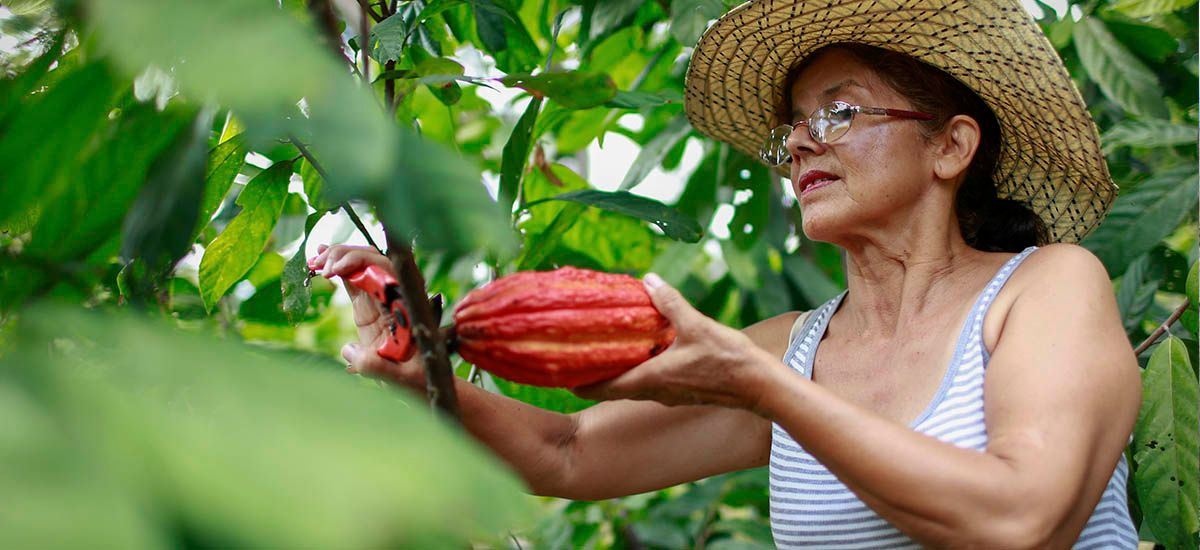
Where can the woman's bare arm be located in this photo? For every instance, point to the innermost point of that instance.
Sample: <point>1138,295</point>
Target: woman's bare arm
<point>612,449</point>
<point>1061,394</point>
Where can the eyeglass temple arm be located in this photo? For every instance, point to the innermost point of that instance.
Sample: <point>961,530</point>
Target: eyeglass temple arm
<point>895,112</point>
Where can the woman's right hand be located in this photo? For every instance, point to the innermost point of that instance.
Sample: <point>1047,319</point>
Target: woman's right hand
<point>374,325</point>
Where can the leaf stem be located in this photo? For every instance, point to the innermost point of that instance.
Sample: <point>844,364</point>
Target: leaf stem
<point>1158,332</point>
<point>304,152</point>
<point>439,378</point>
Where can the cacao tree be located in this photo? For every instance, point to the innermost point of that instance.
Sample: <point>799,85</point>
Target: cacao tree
<point>169,372</point>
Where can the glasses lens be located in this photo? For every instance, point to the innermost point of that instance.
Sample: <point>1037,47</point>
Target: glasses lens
<point>774,150</point>
<point>831,122</point>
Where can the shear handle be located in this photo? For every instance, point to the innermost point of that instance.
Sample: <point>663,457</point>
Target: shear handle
<point>385,289</point>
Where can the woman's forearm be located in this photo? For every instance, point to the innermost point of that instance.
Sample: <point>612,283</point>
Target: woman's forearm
<point>533,441</point>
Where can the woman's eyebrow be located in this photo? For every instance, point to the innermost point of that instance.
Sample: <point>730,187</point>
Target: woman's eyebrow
<point>828,93</point>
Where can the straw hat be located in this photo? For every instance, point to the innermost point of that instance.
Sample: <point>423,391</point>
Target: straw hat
<point>1050,156</point>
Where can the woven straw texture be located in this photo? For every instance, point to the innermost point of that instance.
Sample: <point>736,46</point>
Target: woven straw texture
<point>1050,156</point>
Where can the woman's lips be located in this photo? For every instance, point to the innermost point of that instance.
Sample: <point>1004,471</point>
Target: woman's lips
<point>817,184</point>
<point>813,179</point>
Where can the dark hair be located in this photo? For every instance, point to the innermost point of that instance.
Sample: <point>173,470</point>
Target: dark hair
<point>987,222</point>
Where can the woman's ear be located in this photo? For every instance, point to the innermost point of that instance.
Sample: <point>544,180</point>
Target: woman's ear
<point>955,147</point>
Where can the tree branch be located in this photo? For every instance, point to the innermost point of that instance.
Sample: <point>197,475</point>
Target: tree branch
<point>1158,332</point>
<point>322,12</point>
<point>366,8</point>
<point>439,378</point>
<point>364,40</point>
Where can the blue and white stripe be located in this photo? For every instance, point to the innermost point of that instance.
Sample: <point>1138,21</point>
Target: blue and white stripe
<point>811,508</point>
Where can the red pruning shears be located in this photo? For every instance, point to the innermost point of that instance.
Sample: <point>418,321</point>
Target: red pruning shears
<point>384,288</point>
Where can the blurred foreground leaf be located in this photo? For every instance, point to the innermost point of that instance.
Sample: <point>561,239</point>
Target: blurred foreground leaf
<point>137,436</point>
<point>234,52</point>
<point>158,228</point>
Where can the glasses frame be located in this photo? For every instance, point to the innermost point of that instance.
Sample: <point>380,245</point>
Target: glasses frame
<point>775,138</point>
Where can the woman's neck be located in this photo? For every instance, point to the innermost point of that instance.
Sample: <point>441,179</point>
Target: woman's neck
<point>898,280</point>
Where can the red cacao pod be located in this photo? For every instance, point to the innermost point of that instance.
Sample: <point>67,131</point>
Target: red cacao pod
<point>564,328</point>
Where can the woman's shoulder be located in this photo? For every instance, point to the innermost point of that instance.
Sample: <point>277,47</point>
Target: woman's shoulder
<point>1061,267</point>
<point>1055,281</point>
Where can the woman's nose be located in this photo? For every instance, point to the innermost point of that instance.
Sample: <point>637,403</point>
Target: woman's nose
<point>800,142</point>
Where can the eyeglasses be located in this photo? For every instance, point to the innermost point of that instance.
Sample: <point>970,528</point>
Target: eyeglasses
<point>828,123</point>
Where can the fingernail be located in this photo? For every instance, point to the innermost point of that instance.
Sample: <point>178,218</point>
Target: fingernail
<point>348,352</point>
<point>652,280</point>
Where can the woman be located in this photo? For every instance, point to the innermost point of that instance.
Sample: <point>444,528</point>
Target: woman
<point>968,390</point>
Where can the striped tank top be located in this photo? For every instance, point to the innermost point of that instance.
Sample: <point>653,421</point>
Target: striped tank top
<point>810,508</point>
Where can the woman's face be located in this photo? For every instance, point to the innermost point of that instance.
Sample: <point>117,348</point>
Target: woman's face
<point>866,178</point>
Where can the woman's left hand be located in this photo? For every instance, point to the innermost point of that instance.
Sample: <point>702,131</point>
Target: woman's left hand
<point>708,364</point>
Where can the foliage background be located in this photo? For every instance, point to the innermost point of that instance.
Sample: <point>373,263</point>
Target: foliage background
<point>158,176</point>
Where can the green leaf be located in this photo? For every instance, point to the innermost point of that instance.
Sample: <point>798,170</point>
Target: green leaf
<point>661,534</point>
<point>1120,75</point>
<point>689,18</point>
<point>1147,133</point>
<point>268,267</point>
<point>1193,284</point>
<point>607,17</point>
<point>296,295</point>
<point>505,37</point>
<point>14,92</point>
<point>1140,218</point>
<point>539,246</point>
<point>813,284</point>
<point>1136,292</point>
<point>1152,44</point>
<point>224,163</point>
<point>238,247</point>
<point>388,38</point>
<point>640,100</point>
<point>28,7</point>
<point>757,531</point>
<point>573,89</point>
<point>1190,317</point>
<point>580,129</point>
<point>226,444</point>
<point>1146,8</point>
<point>435,197</point>
<point>1167,447</point>
<point>516,153</point>
<point>100,188</point>
<point>447,92</point>
<point>551,399</point>
<point>314,187</point>
<point>751,214</point>
<point>158,228</point>
<point>653,152</point>
<point>737,544</point>
<point>490,22</point>
<point>699,198</point>
<point>58,123</point>
<point>672,222</point>
<point>599,239</point>
<point>229,52</point>
<point>743,265</point>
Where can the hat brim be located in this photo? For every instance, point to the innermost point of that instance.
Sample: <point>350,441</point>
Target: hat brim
<point>1050,154</point>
